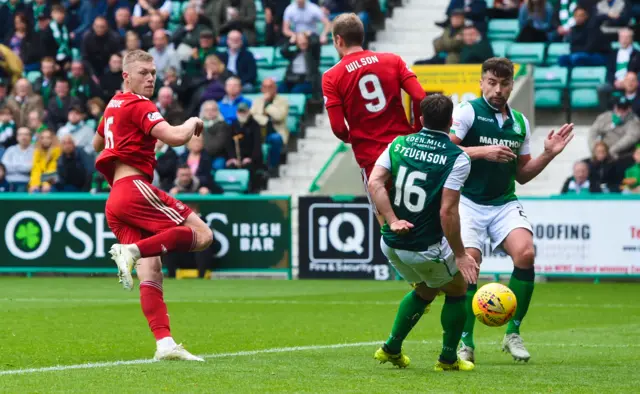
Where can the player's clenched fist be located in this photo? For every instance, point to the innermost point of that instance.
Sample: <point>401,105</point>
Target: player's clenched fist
<point>198,126</point>
<point>499,154</point>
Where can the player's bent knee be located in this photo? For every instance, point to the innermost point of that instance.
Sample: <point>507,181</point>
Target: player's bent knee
<point>525,258</point>
<point>426,293</point>
<point>205,238</point>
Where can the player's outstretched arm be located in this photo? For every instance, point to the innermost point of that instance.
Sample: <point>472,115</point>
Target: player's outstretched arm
<point>450,220</point>
<point>177,135</point>
<point>554,144</point>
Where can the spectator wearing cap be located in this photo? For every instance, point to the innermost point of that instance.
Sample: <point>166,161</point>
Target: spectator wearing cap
<point>7,13</point>
<point>145,9</point>
<point>240,61</point>
<point>23,101</point>
<point>535,19</point>
<point>188,33</point>
<point>43,85</point>
<point>82,85</point>
<point>620,61</point>
<point>271,111</point>
<point>302,16</point>
<point>216,133</point>
<point>447,46</point>
<point>71,168</point>
<point>206,47</point>
<point>156,23</point>
<point>476,49</point>
<point>588,45</point>
<point>233,97</point>
<point>580,183</point>
<point>111,80</point>
<point>170,109</point>
<point>163,53</point>
<point>76,128</point>
<point>236,15</point>
<point>44,173</point>
<point>7,129</point>
<point>244,148</point>
<point>303,72</point>
<point>619,129</point>
<point>59,105</point>
<point>18,161</point>
<point>98,45</point>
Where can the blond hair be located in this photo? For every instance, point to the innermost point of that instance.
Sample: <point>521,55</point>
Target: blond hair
<point>137,55</point>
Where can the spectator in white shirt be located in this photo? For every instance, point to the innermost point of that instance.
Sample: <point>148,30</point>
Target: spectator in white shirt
<point>304,16</point>
<point>163,53</point>
<point>18,160</point>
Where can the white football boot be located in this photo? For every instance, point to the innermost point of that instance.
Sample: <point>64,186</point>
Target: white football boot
<point>177,352</point>
<point>514,344</point>
<point>126,261</point>
<point>466,353</point>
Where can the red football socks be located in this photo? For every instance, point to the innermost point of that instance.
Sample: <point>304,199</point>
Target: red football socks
<point>154,309</point>
<point>177,239</point>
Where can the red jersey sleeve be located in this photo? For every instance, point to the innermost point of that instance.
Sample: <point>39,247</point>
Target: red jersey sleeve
<point>145,115</point>
<point>331,97</point>
<point>100,129</point>
<point>404,71</point>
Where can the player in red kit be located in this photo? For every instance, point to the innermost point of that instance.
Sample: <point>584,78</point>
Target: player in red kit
<point>365,88</point>
<point>146,221</point>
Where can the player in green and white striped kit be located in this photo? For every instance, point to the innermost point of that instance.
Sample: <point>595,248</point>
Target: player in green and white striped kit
<point>426,171</point>
<point>496,137</point>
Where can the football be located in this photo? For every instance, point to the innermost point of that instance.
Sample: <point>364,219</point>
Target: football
<point>494,304</point>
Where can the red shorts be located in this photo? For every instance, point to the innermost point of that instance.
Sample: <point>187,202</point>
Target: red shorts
<point>136,210</point>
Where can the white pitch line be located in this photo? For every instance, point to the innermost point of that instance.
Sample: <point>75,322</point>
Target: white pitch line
<point>284,302</point>
<point>215,355</point>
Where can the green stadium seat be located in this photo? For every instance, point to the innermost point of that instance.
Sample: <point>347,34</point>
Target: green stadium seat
<point>275,73</point>
<point>233,180</point>
<point>548,98</point>
<point>259,7</point>
<point>500,48</point>
<point>585,98</point>
<point>587,77</point>
<point>616,45</point>
<point>550,77</point>
<point>263,55</point>
<point>503,29</point>
<point>278,60</point>
<point>557,49</point>
<point>75,54</point>
<point>329,55</point>
<point>383,6</point>
<point>526,53</point>
<point>323,69</point>
<point>176,12</point>
<point>32,76</point>
<point>297,103</point>
<point>293,123</point>
<point>265,152</point>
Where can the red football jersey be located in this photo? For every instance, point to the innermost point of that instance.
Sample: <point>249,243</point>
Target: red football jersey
<point>368,85</point>
<point>126,128</point>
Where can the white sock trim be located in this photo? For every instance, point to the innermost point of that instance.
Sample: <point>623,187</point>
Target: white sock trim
<point>133,248</point>
<point>166,343</point>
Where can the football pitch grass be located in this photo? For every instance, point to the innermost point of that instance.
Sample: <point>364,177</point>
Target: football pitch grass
<point>87,335</point>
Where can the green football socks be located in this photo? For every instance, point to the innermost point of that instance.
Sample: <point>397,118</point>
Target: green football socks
<point>453,317</point>
<point>410,311</point>
<point>467,332</point>
<point>521,283</point>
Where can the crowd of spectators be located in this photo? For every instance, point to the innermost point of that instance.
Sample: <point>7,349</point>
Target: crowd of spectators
<point>61,62</point>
